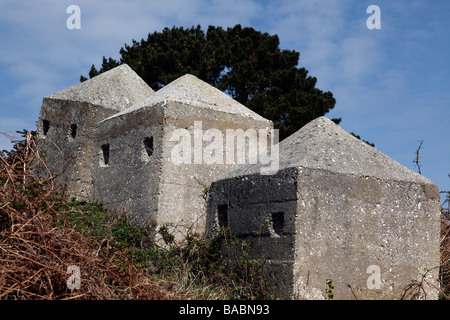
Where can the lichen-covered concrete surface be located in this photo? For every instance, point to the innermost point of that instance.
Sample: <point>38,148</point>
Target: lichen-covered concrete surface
<point>156,190</point>
<point>337,209</point>
<point>68,119</point>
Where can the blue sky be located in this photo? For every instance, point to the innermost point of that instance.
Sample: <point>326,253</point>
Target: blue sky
<point>392,85</point>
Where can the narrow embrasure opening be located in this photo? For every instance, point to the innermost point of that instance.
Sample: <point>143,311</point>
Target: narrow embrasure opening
<point>222,215</point>
<point>278,222</point>
<point>45,126</point>
<point>105,151</point>
<point>148,145</point>
<point>73,130</point>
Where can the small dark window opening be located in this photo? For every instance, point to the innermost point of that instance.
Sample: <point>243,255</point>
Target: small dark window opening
<point>45,126</point>
<point>148,144</point>
<point>105,150</point>
<point>222,214</point>
<point>73,130</point>
<point>278,222</point>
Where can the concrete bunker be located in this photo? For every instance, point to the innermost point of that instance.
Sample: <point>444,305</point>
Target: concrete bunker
<point>67,122</point>
<point>336,208</point>
<point>150,184</point>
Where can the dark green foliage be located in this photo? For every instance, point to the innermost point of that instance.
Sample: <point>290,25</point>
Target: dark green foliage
<point>95,221</point>
<point>243,62</point>
<point>201,258</point>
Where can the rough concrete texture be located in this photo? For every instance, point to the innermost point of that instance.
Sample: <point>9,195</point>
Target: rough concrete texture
<point>336,209</point>
<point>68,118</point>
<point>321,144</point>
<point>155,190</point>
<point>129,179</point>
<point>190,90</point>
<point>116,89</point>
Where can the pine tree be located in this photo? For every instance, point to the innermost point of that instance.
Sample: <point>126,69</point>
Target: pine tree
<point>243,62</point>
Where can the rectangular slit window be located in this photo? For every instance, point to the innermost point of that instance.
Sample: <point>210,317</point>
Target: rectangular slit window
<point>278,222</point>
<point>73,130</point>
<point>105,151</point>
<point>45,126</point>
<point>148,145</point>
<point>222,214</point>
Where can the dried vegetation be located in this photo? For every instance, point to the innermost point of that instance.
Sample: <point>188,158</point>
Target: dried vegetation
<point>42,236</point>
<point>38,245</point>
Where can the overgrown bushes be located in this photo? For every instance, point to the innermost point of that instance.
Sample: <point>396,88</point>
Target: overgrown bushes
<point>38,246</point>
<point>42,236</point>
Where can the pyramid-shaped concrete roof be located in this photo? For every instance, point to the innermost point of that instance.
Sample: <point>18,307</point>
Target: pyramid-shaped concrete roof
<point>117,89</point>
<point>321,144</point>
<point>191,90</point>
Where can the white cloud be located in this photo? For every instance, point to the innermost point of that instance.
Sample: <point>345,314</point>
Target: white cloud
<point>43,56</point>
<point>333,42</point>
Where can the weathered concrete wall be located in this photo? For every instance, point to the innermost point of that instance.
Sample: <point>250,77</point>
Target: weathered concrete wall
<point>158,191</point>
<point>68,119</point>
<point>351,214</point>
<point>68,143</point>
<point>164,191</point>
<point>182,199</point>
<point>261,210</point>
<point>335,227</point>
<point>347,226</point>
<point>130,179</point>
